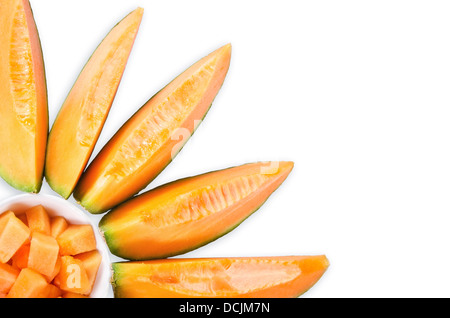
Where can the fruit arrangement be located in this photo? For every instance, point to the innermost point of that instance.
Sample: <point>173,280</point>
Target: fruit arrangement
<point>143,228</point>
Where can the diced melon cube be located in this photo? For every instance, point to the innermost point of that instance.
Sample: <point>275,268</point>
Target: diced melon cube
<point>13,233</point>
<point>73,277</point>
<point>38,219</point>
<point>20,258</point>
<point>29,284</point>
<point>58,224</point>
<point>44,251</point>
<point>53,291</point>
<point>76,239</point>
<point>91,261</point>
<point>8,275</point>
<point>55,270</point>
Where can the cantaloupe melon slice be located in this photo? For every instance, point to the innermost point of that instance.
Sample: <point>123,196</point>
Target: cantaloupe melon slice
<point>53,291</point>
<point>29,284</point>
<point>58,224</point>
<point>8,275</point>
<point>44,252</point>
<point>13,233</point>
<point>76,239</point>
<point>91,262</point>
<point>38,219</point>
<point>56,270</point>
<point>186,214</point>
<point>152,137</point>
<point>23,95</point>
<point>4,217</point>
<point>238,277</point>
<point>20,258</point>
<point>73,277</point>
<point>84,112</point>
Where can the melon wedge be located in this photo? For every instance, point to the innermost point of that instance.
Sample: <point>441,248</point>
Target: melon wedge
<point>23,96</point>
<point>150,139</point>
<point>238,277</point>
<point>82,116</point>
<point>186,214</point>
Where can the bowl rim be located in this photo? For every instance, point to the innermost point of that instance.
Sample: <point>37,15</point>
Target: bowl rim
<point>75,215</point>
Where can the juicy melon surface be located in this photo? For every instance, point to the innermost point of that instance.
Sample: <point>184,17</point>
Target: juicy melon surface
<point>24,119</point>
<point>186,214</point>
<point>283,276</point>
<point>13,233</point>
<point>145,144</point>
<point>82,116</point>
<point>29,284</point>
<point>43,254</point>
<point>22,73</point>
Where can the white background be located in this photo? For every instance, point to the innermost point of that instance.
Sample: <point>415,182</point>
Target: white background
<point>356,93</point>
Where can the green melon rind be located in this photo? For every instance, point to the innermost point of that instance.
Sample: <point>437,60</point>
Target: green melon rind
<point>30,188</point>
<point>59,189</point>
<point>116,278</point>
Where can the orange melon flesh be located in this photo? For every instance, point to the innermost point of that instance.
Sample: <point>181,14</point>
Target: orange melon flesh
<point>56,270</point>
<point>29,284</point>
<point>36,268</point>
<point>73,277</point>
<point>73,295</point>
<point>82,116</point>
<point>23,95</point>
<point>91,262</point>
<point>8,275</point>
<point>76,239</point>
<point>23,218</point>
<point>52,291</point>
<point>4,217</point>
<point>20,258</point>
<point>188,213</point>
<point>44,252</point>
<point>38,219</point>
<point>150,139</point>
<point>13,233</point>
<point>58,224</point>
<point>239,277</point>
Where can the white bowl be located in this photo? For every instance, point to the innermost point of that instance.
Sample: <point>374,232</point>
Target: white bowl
<point>58,206</point>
